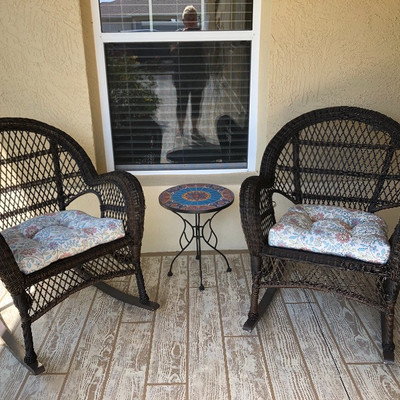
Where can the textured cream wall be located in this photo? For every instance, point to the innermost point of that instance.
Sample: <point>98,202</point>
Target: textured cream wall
<point>314,54</point>
<point>323,53</point>
<point>42,66</point>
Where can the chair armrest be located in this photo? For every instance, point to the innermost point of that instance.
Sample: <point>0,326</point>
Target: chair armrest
<point>256,212</point>
<point>10,273</point>
<point>121,196</point>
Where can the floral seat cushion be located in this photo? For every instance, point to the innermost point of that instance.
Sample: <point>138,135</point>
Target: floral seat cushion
<point>42,240</point>
<point>333,230</point>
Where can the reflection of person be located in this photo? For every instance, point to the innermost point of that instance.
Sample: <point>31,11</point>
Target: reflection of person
<point>190,76</point>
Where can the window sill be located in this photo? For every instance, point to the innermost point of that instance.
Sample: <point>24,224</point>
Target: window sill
<point>222,177</point>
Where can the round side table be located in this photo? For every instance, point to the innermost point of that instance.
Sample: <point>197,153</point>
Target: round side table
<point>197,199</point>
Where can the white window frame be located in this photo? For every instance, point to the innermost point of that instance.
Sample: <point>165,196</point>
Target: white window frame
<point>253,36</point>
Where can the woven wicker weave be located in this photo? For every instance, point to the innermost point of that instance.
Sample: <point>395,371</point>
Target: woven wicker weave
<point>343,156</point>
<point>42,170</point>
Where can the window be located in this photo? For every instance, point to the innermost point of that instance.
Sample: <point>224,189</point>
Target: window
<point>176,84</point>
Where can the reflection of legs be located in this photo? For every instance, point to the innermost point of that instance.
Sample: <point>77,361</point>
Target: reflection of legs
<point>196,97</point>
<point>182,98</point>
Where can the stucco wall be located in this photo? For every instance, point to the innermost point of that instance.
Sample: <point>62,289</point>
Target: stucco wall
<point>323,53</point>
<point>313,54</point>
<point>42,66</point>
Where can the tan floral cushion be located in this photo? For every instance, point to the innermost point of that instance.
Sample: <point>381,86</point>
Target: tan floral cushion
<point>333,230</point>
<point>42,240</point>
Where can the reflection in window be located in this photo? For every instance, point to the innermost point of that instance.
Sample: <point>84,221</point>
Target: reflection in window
<point>152,86</point>
<point>166,15</point>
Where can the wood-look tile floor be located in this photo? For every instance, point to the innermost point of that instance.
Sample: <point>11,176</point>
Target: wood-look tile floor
<point>307,346</point>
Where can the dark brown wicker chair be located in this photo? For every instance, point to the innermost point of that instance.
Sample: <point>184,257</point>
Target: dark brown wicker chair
<point>42,170</point>
<point>341,156</point>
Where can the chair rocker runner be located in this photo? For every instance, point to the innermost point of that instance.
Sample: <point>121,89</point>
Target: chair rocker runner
<point>48,252</point>
<point>338,165</point>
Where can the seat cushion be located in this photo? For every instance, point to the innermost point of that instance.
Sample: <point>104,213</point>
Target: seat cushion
<point>333,230</point>
<point>42,240</point>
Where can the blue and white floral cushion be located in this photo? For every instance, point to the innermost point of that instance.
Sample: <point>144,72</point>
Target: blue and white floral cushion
<point>42,240</point>
<point>333,230</point>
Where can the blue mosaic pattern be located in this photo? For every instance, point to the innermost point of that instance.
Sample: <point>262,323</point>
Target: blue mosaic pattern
<point>196,197</point>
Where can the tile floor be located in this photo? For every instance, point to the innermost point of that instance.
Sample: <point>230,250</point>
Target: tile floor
<point>307,346</point>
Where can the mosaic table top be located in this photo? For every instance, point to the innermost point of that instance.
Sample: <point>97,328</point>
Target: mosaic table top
<point>196,198</point>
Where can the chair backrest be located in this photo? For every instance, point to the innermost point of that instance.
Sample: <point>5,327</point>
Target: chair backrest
<point>40,170</point>
<point>344,156</point>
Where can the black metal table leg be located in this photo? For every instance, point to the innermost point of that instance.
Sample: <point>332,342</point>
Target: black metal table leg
<point>199,236</point>
<point>197,232</point>
<point>211,236</point>
<point>186,223</point>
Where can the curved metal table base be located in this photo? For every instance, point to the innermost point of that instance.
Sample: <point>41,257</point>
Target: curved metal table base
<point>197,232</point>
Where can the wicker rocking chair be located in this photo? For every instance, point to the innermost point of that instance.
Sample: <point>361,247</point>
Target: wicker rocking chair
<point>340,156</point>
<point>42,170</point>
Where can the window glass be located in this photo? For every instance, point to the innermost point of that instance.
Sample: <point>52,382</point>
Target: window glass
<point>166,15</point>
<point>179,104</point>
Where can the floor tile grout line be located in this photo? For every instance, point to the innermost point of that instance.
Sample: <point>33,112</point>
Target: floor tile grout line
<point>361,363</point>
<point>96,291</point>
<point>65,374</point>
<point>118,328</point>
<point>57,311</point>
<point>44,340</point>
<point>351,304</point>
<point>344,362</point>
<point>22,386</point>
<point>146,376</point>
<point>251,335</point>
<point>222,329</point>
<point>327,344</point>
<point>167,384</point>
<point>257,330</point>
<point>298,343</point>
